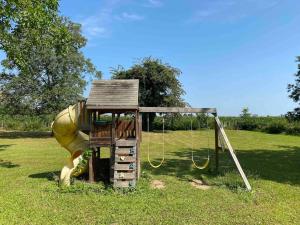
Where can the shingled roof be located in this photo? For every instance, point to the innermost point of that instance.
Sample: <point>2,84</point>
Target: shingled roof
<point>114,94</point>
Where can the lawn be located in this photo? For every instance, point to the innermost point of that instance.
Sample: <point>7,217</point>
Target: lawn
<point>29,194</point>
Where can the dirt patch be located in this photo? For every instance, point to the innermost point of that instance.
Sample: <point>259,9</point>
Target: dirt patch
<point>199,184</point>
<point>158,184</point>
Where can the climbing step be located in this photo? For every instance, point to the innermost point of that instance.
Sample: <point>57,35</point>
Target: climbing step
<point>124,164</point>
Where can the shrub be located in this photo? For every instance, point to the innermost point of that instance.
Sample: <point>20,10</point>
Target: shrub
<point>26,122</point>
<point>246,124</point>
<point>293,129</point>
<point>276,128</point>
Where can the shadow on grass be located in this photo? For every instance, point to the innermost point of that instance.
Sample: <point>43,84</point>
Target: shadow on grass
<point>50,175</point>
<point>25,134</point>
<point>8,164</point>
<point>3,147</point>
<point>281,166</point>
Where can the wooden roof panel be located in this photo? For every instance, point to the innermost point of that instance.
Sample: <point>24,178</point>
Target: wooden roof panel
<point>113,93</point>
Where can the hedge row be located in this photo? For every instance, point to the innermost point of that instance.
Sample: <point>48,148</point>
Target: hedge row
<point>273,125</point>
<point>26,122</point>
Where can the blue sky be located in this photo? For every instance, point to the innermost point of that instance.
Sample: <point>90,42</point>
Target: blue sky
<point>232,53</point>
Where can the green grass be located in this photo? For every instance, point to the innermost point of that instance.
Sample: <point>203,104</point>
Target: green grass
<point>29,194</point>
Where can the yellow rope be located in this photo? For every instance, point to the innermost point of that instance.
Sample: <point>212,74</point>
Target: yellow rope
<point>204,166</point>
<point>163,158</point>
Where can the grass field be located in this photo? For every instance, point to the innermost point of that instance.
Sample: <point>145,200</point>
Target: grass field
<point>30,163</point>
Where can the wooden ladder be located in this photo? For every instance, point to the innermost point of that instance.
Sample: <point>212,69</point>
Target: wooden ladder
<point>123,174</point>
<point>233,155</point>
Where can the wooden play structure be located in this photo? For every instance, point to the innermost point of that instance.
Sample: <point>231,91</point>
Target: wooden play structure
<point>112,118</point>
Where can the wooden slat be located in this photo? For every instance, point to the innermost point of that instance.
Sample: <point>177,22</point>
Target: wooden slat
<point>177,110</point>
<point>125,151</point>
<point>235,159</point>
<point>126,143</point>
<point>124,175</point>
<point>95,139</point>
<point>124,184</point>
<point>125,129</point>
<point>128,166</point>
<point>124,159</point>
<point>117,107</point>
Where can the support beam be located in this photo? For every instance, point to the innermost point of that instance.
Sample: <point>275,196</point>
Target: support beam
<point>235,159</point>
<point>92,167</point>
<point>177,110</point>
<point>217,145</point>
<point>138,141</point>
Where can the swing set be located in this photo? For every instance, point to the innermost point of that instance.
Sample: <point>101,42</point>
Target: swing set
<point>207,161</point>
<point>122,134</point>
<point>221,139</point>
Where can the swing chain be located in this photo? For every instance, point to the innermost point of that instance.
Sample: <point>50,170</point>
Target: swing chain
<point>208,156</point>
<point>163,151</point>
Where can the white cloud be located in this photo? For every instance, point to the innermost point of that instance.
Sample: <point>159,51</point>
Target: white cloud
<point>95,26</point>
<point>230,10</point>
<point>154,3</point>
<point>129,17</point>
<point>99,24</point>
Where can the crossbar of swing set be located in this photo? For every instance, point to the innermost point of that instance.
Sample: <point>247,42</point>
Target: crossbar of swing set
<point>177,110</point>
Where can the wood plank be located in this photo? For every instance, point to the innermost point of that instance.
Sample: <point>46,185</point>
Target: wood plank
<point>124,175</point>
<point>125,159</point>
<point>124,184</point>
<point>126,142</point>
<point>177,110</point>
<point>235,159</point>
<point>92,168</point>
<point>216,145</point>
<point>125,151</point>
<point>128,108</point>
<point>128,166</point>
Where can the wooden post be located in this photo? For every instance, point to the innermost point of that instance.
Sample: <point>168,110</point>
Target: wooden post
<point>113,128</point>
<point>216,144</point>
<point>138,140</point>
<point>231,151</point>
<point>92,167</point>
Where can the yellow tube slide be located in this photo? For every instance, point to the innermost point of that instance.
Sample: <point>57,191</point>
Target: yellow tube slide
<point>65,129</point>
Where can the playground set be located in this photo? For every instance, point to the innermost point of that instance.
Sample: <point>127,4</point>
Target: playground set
<point>111,118</point>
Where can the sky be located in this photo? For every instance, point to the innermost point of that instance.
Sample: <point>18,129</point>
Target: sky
<point>232,53</point>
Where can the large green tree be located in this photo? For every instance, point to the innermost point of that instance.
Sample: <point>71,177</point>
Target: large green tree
<point>44,69</point>
<point>159,84</point>
<point>294,93</point>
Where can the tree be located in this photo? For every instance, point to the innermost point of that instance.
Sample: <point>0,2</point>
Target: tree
<point>44,69</point>
<point>159,84</point>
<point>294,93</point>
<point>245,113</point>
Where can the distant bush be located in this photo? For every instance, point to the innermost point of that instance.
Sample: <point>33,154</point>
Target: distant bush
<point>268,124</point>
<point>276,128</point>
<point>26,122</point>
<point>247,124</point>
<point>272,125</point>
<point>293,128</point>
<point>183,122</point>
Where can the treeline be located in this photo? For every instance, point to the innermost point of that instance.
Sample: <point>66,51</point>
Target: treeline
<point>269,124</point>
<point>272,125</point>
<point>26,122</point>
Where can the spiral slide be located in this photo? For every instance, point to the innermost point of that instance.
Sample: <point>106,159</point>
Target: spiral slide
<point>66,131</point>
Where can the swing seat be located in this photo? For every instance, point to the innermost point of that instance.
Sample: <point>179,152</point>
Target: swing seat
<point>204,166</point>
